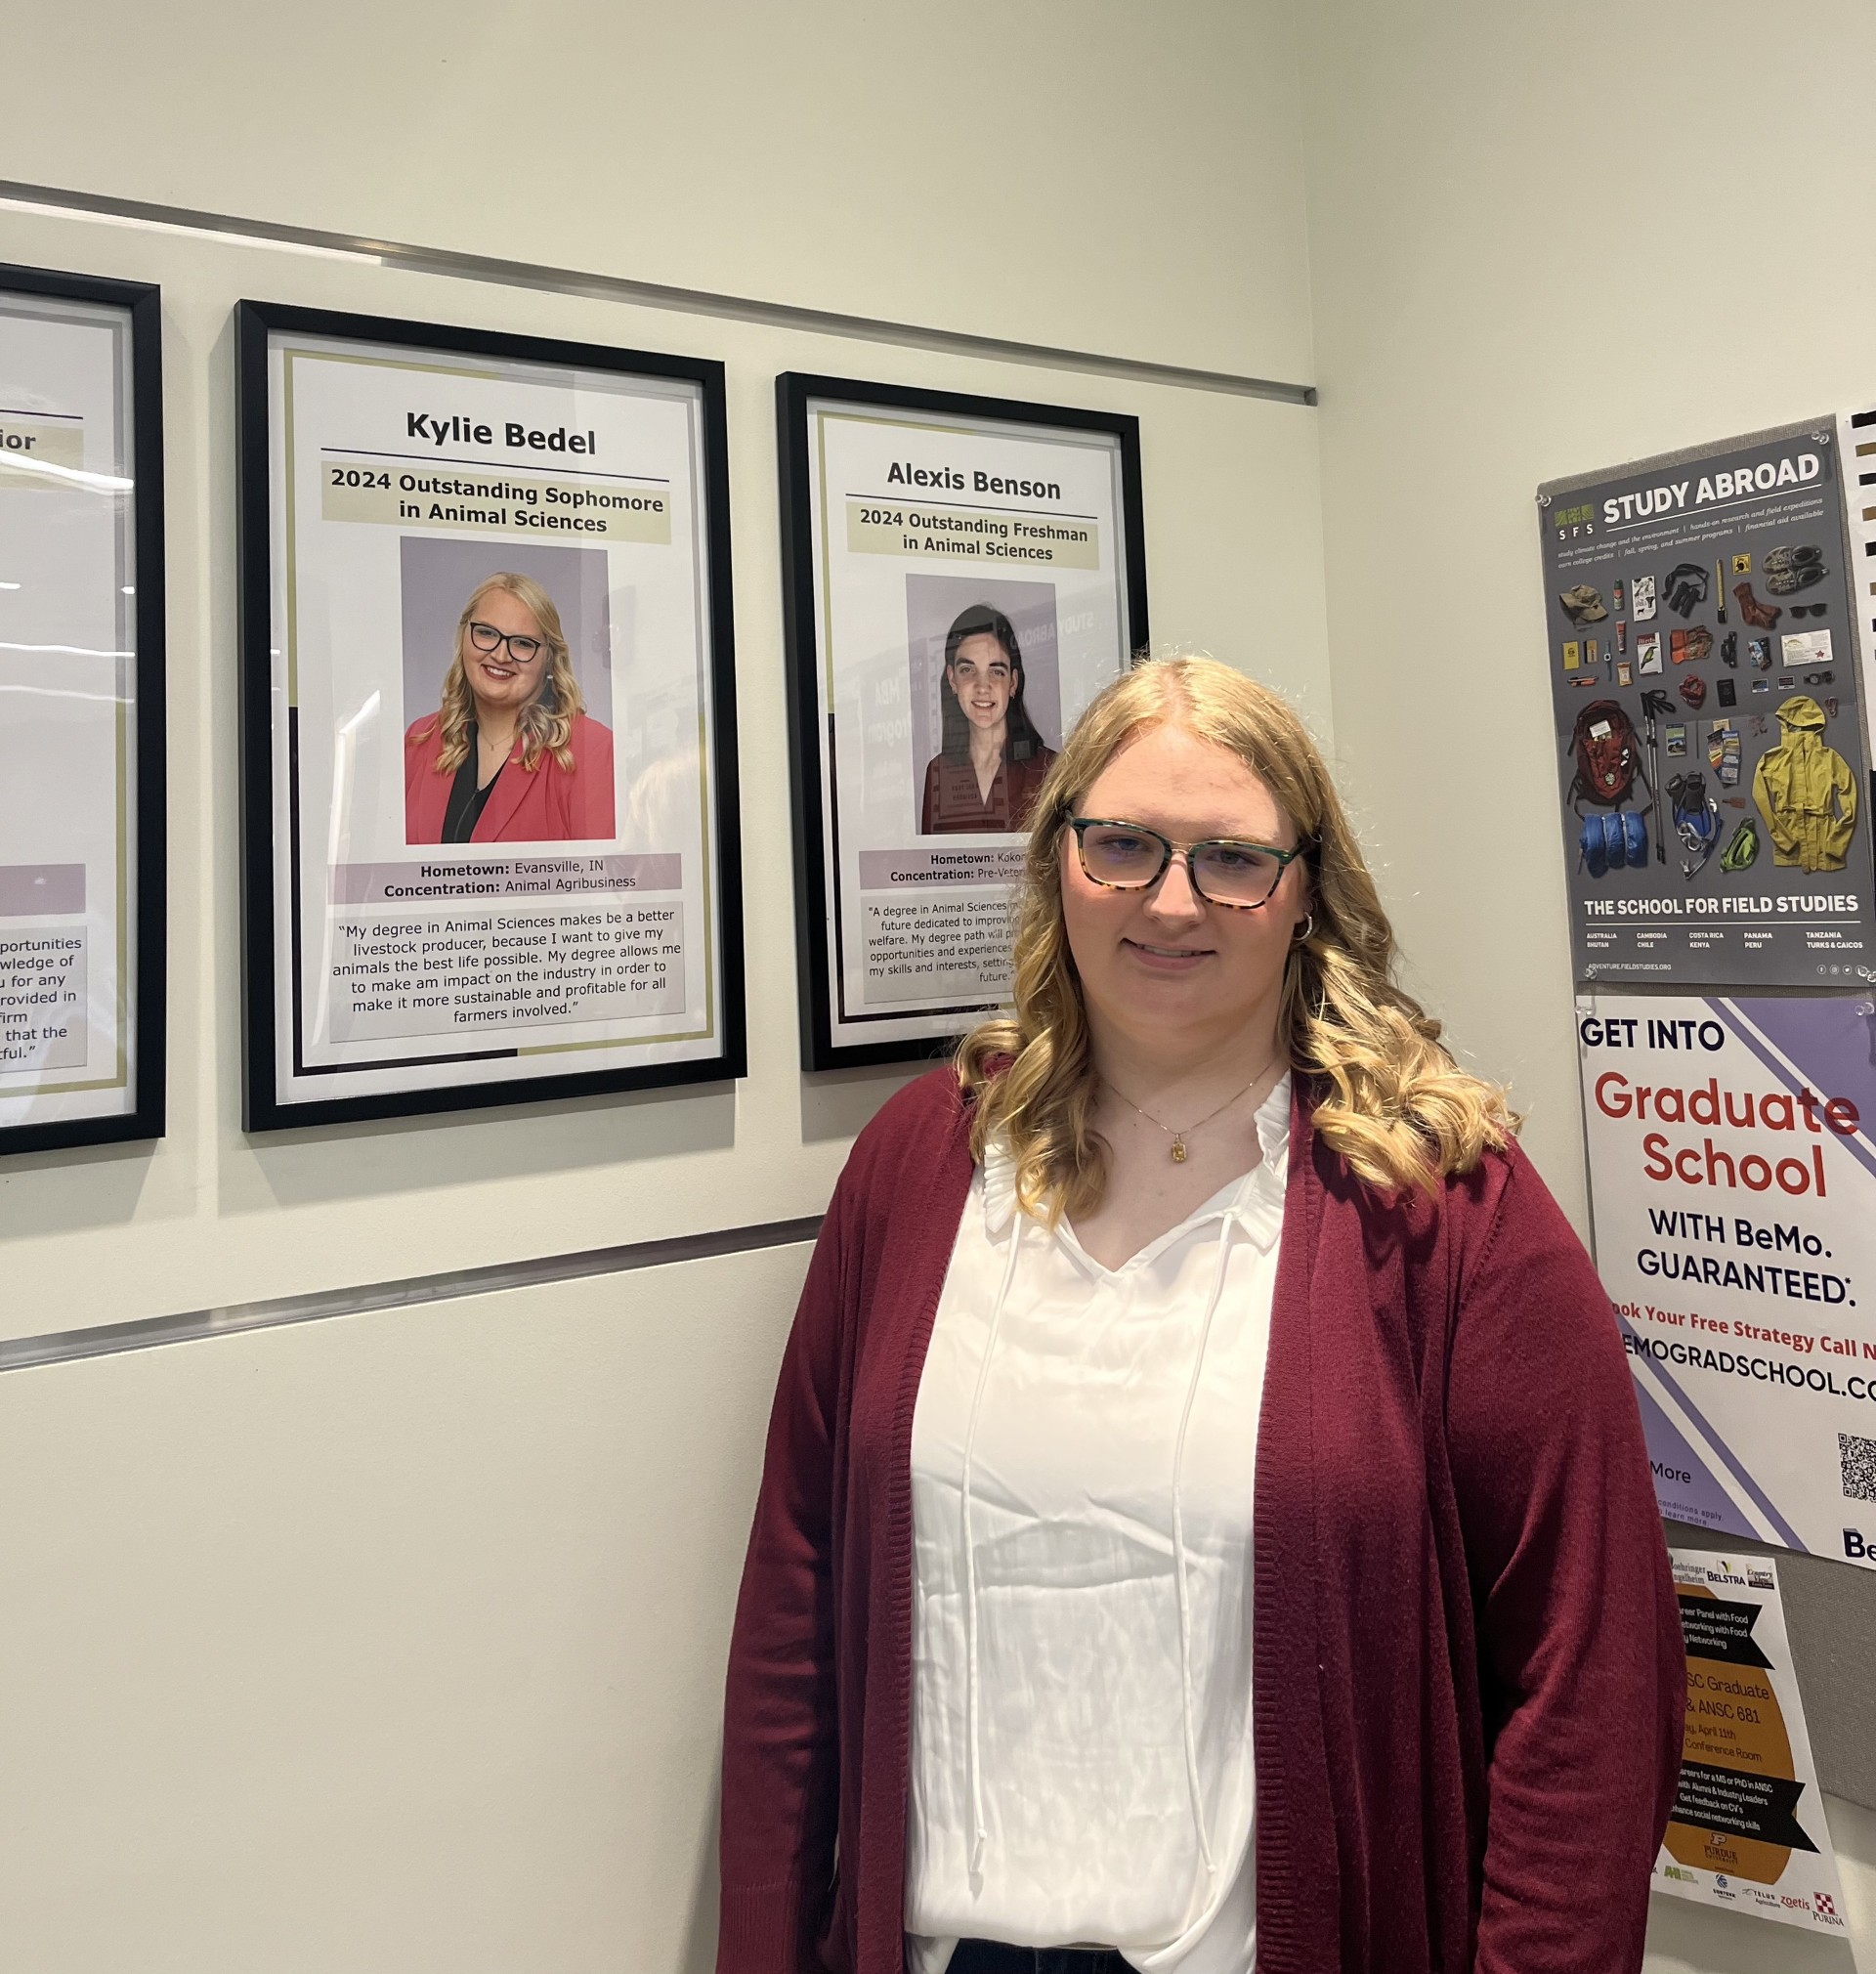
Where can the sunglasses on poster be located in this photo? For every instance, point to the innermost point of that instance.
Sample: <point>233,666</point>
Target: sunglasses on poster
<point>1809,609</point>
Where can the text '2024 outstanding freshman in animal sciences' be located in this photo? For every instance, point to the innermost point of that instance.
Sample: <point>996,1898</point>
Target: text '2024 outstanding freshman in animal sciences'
<point>1204,1520</point>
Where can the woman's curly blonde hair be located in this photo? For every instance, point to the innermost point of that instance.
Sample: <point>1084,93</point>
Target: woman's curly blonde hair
<point>1395,1106</point>
<point>546,722</point>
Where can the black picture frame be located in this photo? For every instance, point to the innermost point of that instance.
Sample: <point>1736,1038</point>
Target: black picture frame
<point>813,891</point>
<point>263,1110</point>
<point>142,303</point>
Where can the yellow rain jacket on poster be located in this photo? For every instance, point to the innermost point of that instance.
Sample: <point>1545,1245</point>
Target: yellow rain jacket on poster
<point>1806,792</point>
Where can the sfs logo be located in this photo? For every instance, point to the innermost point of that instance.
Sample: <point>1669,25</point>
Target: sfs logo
<point>1857,1546</point>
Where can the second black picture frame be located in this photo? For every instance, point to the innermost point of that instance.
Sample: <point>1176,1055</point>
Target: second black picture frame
<point>961,575</point>
<point>489,812</point>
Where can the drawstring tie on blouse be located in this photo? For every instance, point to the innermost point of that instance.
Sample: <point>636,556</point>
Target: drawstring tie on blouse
<point>974,1753</point>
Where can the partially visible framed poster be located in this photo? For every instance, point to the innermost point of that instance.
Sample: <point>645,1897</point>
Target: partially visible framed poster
<point>81,744</point>
<point>489,766</point>
<point>962,575</point>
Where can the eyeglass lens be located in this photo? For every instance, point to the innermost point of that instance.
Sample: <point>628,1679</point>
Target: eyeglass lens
<point>1227,873</point>
<point>485,638</point>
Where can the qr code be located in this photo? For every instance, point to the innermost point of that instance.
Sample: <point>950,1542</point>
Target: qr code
<point>1857,1457</point>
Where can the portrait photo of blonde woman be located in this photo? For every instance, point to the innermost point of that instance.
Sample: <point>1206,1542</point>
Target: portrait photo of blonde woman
<point>511,753</point>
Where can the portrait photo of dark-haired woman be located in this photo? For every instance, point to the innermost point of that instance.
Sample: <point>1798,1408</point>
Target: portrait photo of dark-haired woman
<point>991,759</point>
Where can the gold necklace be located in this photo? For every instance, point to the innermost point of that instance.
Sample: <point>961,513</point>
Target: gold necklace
<point>1180,1137</point>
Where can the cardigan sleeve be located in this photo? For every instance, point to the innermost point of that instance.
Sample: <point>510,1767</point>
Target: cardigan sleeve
<point>779,1785</point>
<point>1579,1635</point>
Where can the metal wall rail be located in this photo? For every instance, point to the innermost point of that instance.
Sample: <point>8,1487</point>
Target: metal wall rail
<point>107,1339</point>
<point>65,203</point>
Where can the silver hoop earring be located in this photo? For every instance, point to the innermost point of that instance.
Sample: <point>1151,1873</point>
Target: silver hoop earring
<point>1309,927</point>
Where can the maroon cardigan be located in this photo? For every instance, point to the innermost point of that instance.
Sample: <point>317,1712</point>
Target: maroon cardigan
<point>1466,1662</point>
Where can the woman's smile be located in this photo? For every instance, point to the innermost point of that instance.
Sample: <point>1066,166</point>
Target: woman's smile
<point>1167,959</point>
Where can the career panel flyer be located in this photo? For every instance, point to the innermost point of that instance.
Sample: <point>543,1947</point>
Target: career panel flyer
<point>1732,1180</point>
<point>1711,755</point>
<point>68,674</point>
<point>422,500</point>
<point>1748,1830</point>
<point>969,601</point>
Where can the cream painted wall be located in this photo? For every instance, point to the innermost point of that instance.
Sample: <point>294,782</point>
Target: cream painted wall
<point>1088,173</point>
<point>388,1644</point>
<point>1544,240</point>
<point>210,1215</point>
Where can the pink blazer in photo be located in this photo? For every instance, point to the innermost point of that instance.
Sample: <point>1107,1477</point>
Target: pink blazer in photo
<point>549,805</point>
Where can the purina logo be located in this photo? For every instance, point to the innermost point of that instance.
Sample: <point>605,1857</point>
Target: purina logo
<point>1825,1903</point>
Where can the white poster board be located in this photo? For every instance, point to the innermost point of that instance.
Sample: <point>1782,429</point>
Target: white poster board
<point>1732,1180</point>
<point>1748,1831</point>
<point>431,925</point>
<point>965,577</point>
<point>81,614</point>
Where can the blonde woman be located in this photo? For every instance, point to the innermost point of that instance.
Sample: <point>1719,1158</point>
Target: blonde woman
<point>1205,1521</point>
<point>511,757</point>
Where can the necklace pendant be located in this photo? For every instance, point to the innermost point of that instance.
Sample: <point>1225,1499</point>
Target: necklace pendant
<point>1178,1150</point>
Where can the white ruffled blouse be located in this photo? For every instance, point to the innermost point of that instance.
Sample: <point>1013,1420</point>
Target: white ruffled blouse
<point>1082,1459</point>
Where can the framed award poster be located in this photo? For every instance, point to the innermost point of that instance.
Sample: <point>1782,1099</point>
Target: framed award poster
<point>488,767</point>
<point>962,575</point>
<point>81,744</point>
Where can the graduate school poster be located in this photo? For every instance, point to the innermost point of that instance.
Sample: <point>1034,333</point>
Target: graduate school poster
<point>964,576</point>
<point>1733,1183</point>
<point>489,775</point>
<point>81,743</point>
<point>1711,759</point>
<point>1748,1831</point>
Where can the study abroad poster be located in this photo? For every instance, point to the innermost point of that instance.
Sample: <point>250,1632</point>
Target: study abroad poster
<point>1732,1182</point>
<point>489,785</point>
<point>1712,768</point>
